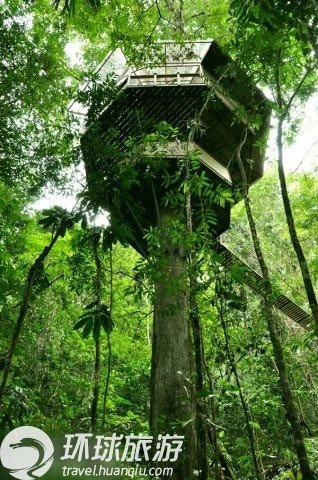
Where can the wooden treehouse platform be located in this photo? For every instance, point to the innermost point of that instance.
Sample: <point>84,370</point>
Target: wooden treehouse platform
<point>180,83</point>
<point>193,87</point>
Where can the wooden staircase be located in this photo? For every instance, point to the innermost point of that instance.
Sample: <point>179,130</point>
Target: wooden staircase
<point>255,282</point>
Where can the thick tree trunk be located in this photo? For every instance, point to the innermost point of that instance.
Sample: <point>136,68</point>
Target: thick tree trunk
<point>172,399</point>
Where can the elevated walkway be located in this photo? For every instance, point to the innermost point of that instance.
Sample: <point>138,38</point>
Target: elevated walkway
<point>255,282</point>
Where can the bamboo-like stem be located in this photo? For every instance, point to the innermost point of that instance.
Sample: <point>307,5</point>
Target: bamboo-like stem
<point>24,307</point>
<point>109,347</point>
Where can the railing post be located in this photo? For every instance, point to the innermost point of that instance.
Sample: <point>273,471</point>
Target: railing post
<point>129,76</point>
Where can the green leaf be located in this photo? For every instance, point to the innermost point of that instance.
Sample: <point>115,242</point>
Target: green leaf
<point>202,393</point>
<point>80,323</point>
<point>96,329</point>
<point>88,327</point>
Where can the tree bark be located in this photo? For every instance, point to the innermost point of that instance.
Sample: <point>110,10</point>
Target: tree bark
<point>200,408</point>
<point>109,362</point>
<point>98,293</point>
<point>94,408</point>
<point>109,345</point>
<point>172,399</point>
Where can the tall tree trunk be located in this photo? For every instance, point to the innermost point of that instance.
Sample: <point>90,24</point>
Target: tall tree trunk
<point>34,269</point>
<point>200,409</point>
<point>176,10</point>
<point>312,299</point>
<point>109,362</point>
<point>287,394</point>
<point>201,431</point>
<point>96,386</point>
<point>98,292</point>
<point>109,346</point>
<point>172,399</point>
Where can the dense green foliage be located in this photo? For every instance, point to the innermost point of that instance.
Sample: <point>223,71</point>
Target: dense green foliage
<point>84,348</point>
<point>53,390</point>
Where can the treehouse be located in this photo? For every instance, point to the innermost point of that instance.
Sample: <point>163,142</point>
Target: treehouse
<point>143,125</point>
<point>196,90</point>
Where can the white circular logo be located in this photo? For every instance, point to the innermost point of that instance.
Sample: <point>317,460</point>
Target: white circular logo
<point>27,452</point>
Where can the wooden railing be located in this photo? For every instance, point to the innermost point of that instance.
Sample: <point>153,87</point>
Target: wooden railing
<point>167,74</point>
